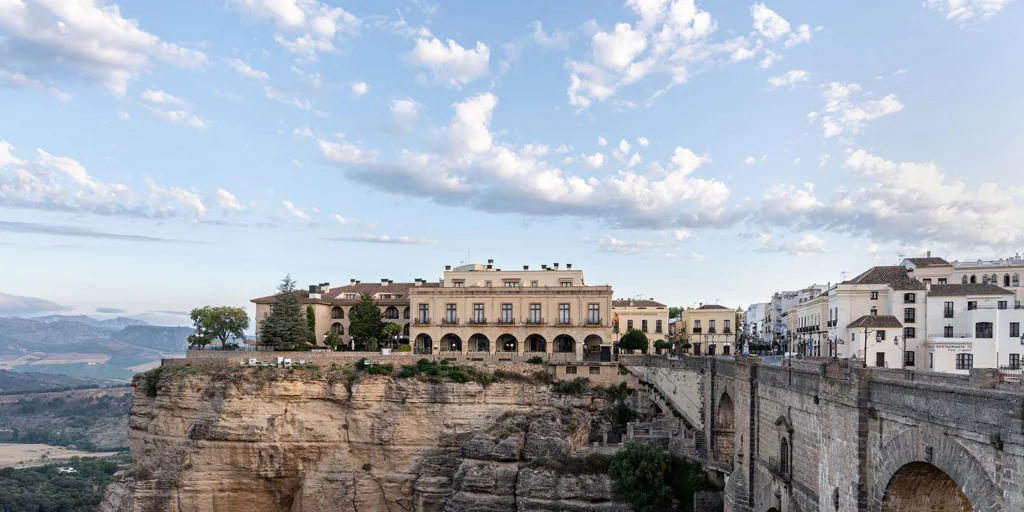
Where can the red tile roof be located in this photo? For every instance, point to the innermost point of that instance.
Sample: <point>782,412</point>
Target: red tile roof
<point>631,303</point>
<point>337,294</point>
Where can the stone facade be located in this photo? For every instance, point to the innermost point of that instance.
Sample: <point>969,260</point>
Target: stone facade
<point>837,436</point>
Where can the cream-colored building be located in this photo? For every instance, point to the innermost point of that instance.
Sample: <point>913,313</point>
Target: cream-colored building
<point>647,316</point>
<point>481,308</point>
<point>331,305</point>
<point>710,328</point>
<point>1006,273</point>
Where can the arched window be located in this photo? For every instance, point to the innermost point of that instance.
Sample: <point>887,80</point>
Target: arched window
<point>985,279</point>
<point>964,280</point>
<point>337,313</point>
<point>784,457</point>
<point>405,315</point>
<point>974,279</point>
<point>391,312</point>
<point>1016,279</point>
<point>1006,280</point>
<point>337,328</point>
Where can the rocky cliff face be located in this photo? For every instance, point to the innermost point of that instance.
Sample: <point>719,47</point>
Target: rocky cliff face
<point>309,441</point>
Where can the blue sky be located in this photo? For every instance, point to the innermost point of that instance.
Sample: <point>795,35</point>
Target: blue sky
<point>155,156</point>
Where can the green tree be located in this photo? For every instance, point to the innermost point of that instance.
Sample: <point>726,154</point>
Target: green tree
<point>284,327</point>
<point>634,340</point>
<point>662,345</point>
<point>217,323</point>
<point>390,331</point>
<point>673,311</point>
<point>638,475</point>
<point>310,324</point>
<point>332,339</point>
<point>366,321</point>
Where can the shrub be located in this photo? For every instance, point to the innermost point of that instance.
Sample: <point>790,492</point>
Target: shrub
<point>576,386</point>
<point>535,360</point>
<point>634,340</point>
<point>150,380</point>
<point>638,475</point>
<point>367,466</point>
<point>405,348</point>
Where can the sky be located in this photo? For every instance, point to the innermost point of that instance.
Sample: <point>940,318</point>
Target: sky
<point>158,156</point>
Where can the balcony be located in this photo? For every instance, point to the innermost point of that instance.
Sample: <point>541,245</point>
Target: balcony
<point>421,321</point>
<point>477,321</point>
<point>696,330</point>
<point>450,321</point>
<point>959,335</point>
<point>506,321</point>
<point>909,320</point>
<point>534,321</point>
<point>711,331</point>
<point>657,330</point>
<point>564,322</point>
<point>593,321</point>
<point>947,313</point>
<point>724,331</point>
<point>779,469</point>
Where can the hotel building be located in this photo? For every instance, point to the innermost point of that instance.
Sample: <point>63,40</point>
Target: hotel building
<point>647,316</point>
<point>711,329</point>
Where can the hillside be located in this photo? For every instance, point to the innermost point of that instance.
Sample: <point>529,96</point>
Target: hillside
<point>35,382</point>
<point>113,324</point>
<point>168,340</point>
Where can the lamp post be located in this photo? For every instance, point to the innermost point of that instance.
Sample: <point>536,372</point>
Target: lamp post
<point>897,339</point>
<point>833,345</point>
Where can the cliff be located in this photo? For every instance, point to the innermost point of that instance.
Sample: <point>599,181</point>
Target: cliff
<point>310,440</point>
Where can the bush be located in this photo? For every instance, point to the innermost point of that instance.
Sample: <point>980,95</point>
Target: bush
<point>436,371</point>
<point>150,380</point>
<point>405,348</point>
<point>576,386</point>
<point>638,475</point>
<point>535,360</point>
<point>634,340</point>
<point>367,466</point>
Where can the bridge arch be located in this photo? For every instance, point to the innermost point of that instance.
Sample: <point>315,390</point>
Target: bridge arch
<point>914,463</point>
<point>724,428</point>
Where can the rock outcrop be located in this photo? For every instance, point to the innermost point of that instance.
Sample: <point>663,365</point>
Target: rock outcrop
<point>308,441</point>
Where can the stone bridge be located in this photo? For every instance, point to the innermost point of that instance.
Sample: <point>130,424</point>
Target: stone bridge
<point>826,436</point>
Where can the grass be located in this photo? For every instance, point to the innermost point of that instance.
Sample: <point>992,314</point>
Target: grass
<point>577,386</point>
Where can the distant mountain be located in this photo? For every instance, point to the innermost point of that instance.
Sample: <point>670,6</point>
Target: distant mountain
<point>33,382</point>
<point>113,324</point>
<point>173,340</point>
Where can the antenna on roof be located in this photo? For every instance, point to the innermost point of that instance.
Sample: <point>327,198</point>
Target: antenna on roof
<point>901,256</point>
<point>843,275</point>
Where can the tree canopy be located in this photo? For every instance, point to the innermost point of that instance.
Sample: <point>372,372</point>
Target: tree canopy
<point>285,327</point>
<point>638,475</point>
<point>673,311</point>
<point>634,340</point>
<point>366,322</point>
<point>391,330</point>
<point>217,323</point>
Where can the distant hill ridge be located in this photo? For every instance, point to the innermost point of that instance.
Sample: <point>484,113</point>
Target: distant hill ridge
<point>112,324</point>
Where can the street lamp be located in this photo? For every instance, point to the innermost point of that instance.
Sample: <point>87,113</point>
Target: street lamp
<point>833,345</point>
<point>897,339</point>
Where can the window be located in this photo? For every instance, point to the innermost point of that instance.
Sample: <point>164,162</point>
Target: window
<point>478,313</point>
<point>964,361</point>
<point>909,315</point>
<point>1014,329</point>
<point>947,311</point>
<point>511,284</point>
<point>458,284</point>
<point>450,314</point>
<point>533,284</point>
<point>657,326</point>
<point>1016,280</point>
<point>942,280</point>
<point>874,311</point>
<point>909,332</point>
<point>566,284</point>
<point>337,313</point>
<point>643,325</point>
<point>909,358</point>
<point>726,328</point>
<point>880,335</point>
<point>983,330</point>
<point>974,279</point>
<point>629,325</point>
<point>696,324</point>
<point>535,313</point>
<point>972,305</point>
<point>563,313</point>
<point>595,370</point>
<point>874,295</point>
<point>594,314</point>
<point>964,280</point>
<point>1015,361</point>
<point>1006,280</point>
<point>1002,304</point>
<point>880,359</point>
<point>570,370</point>
<point>506,313</point>
<point>487,284</point>
<point>711,326</point>
<point>784,457</point>
<point>931,361</point>
<point>947,331</point>
<point>424,314</point>
<point>927,281</point>
<point>909,298</point>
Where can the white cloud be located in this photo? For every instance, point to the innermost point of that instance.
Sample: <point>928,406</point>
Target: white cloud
<point>304,132</point>
<point>841,115</point>
<point>124,116</point>
<point>643,142</point>
<point>770,58</point>
<point>245,70</point>
<point>601,141</point>
<point>469,167</point>
<point>290,208</point>
<point>383,239</point>
<point>450,64</point>
<point>168,200</point>
<point>594,161</point>
<point>81,39</point>
<point>404,113</point>
<point>360,88</point>
<point>304,27</point>
<point>617,49</point>
<point>620,153</point>
<point>17,305</point>
<point>346,152</point>
<point>750,160</point>
<point>341,220</point>
<point>963,11</point>
<point>612,244</point>
<point>789,78</point>
<point>799,36</point>
<point>227,201</point>
<point>697,258</point>
<point>682,234</point>
<point>786,200</point>
<point>315,80</point>
<point>161,98</point>
<point>556,40</point>
<point>287,98</point>
<point>822,159</point>
<point>807,245</point>
<point>767,22</point>
<point>20,80</point>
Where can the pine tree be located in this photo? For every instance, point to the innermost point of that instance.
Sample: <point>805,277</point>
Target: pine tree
<point>310,324</point>
<point>285,327</point>
<point>366,321</point>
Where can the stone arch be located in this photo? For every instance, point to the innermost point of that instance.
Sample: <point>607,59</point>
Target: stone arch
<point>947,456</point>
<point>536,343</point>
<point>565,343</point>
<point>391,313</point>
<point>479,343</point>
<point>507,343</point>
<point>920,486</point>
<point>451,342</point>
<point>724,428</point>
<point>974,279</point>
<point>337,313</point>
<point>337,328</point>
<point>424,345</point>
<point>592,345</point>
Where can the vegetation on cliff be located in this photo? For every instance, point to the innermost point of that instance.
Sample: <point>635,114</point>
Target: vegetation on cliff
<point>653,480</point>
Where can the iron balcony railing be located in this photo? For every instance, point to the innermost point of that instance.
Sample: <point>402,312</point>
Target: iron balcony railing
<point>951,335</point>
<point>506,321</point>
<point>534,321</point>
<point>477,321</point>
<point>450,321</point>
<point>779,469</point>
<point>711,330</point>
<point>593,321</point>
<point>696,330</point>
<point>726,331</point>
<point>421,321</point>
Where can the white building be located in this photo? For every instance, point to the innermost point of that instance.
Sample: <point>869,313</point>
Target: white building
<point>753,320</point>
<point>973,326</point>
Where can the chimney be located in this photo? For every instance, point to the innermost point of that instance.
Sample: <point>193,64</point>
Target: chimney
<point>351,281</point>
<point>358,281</point>
<point>929,254</point>
<point>447,267</point>
<point>490,266</point>
<point>490,261</point>
<point>526,267</point>
<point>419,281</point>
<point>384,282</point>
<point>325,287</point>
<point>544,267</point>
<point>568,266</point>
<point>314,291</point>
<point>556,266</point>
